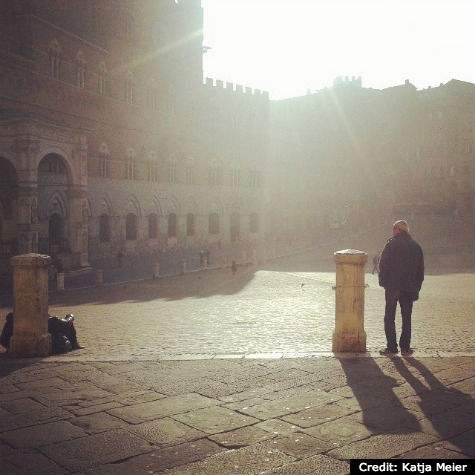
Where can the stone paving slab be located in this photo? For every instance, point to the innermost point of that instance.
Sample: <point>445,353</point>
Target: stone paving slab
<point>44,434</point>
<point>316,465</point>
<point>159,461</point>
<point>382,446</point>
<point>98,449</point>
<point>137,413</point>
<point>215,419</point>
<point>248,460</point>
<point>315,425</point>
<point>26,462</point>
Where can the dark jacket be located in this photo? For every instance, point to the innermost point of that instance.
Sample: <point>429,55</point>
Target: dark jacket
<point>402,265</point>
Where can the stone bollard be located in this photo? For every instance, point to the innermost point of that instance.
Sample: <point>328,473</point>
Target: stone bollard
<point>156,270</point>
<point>183,266</point>
<point>60,281</point>
<point>205,262</point>
<point>30,306</point>
<point>349,334</point>
<point>99,277</point>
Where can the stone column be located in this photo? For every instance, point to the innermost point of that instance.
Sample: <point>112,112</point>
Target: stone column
<point>30,306</point>
<point>26,150</point>
<point>27,218</point>
<point>78,234</point>
<point>349,334</point>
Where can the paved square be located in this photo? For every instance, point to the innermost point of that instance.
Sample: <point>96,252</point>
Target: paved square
<point>153,397</point>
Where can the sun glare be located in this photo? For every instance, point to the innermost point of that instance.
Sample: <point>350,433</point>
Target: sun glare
<point>290,46</point>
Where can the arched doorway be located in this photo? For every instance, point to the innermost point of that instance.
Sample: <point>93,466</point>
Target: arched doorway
<point>56,233</point>
<point>53,207</point>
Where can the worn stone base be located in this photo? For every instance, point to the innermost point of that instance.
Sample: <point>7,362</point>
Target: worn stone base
<point>29,346</point>
<point>349,342</point>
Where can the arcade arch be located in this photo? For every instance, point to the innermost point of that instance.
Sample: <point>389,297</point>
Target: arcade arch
<point>53,189</point>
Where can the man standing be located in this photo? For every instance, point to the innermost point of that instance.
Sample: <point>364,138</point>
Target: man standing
<point>401,272</point>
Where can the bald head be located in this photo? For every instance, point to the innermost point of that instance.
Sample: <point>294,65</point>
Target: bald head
<point>400,226</point>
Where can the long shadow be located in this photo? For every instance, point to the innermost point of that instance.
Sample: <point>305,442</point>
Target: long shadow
<point>382,411</point>
<point>198,285</point>
<point>450,411</point>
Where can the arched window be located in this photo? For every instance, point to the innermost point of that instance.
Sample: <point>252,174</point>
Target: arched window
<point>53,164</point>
<point>235,177</point>
<point>130,168</point>
<point>130,88</point>
<point>254,223</point>
<point>213,223</point>
<point>55,57</point>
<point>131,227</point>
<point>80,70</point>
<point>102,79</point>
<point>235,227</point>
<point>104,160</point>
<point>190,171</point>
<point>104,228</point>
<point>152,226</point>
<point>152,167</point>
<point>172,225</point>
<point>214,177</point>
<point>152,96</point>
<point>190,224</point>
<point>172,170</point>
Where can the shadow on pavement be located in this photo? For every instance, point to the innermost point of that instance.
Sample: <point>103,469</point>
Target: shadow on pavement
<point>197,285</point>
<point>450,411</point>
<point>382,411</point>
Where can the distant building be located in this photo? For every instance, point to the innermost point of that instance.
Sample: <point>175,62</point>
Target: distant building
<point>354,157</point>
<point>111,144</point>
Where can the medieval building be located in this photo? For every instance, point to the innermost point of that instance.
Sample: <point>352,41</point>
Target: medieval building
<point>112,144</point>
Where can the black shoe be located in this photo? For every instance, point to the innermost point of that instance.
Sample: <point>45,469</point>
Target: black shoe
<point>407,351</point>
<point>388,352</point>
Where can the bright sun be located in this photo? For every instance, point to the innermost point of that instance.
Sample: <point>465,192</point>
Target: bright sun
<point>289,46</point>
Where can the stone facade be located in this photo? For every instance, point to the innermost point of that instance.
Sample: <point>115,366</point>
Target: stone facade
<point>112,144</point>
<point>370,155</point>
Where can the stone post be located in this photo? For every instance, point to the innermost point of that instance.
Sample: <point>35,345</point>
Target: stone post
<point>30,306</point>
<point>349,334</point>
<point>156,270</point>
<point>183,266</point>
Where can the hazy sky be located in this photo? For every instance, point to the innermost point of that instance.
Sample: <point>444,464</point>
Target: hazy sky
<point>289,46</point>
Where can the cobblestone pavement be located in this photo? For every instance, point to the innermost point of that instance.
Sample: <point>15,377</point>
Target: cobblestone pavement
<point>286,308</point>
<point>174,379</point>
<point>224,416</point>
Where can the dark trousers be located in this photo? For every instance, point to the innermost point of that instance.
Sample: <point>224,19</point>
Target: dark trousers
<point>405,300</point>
